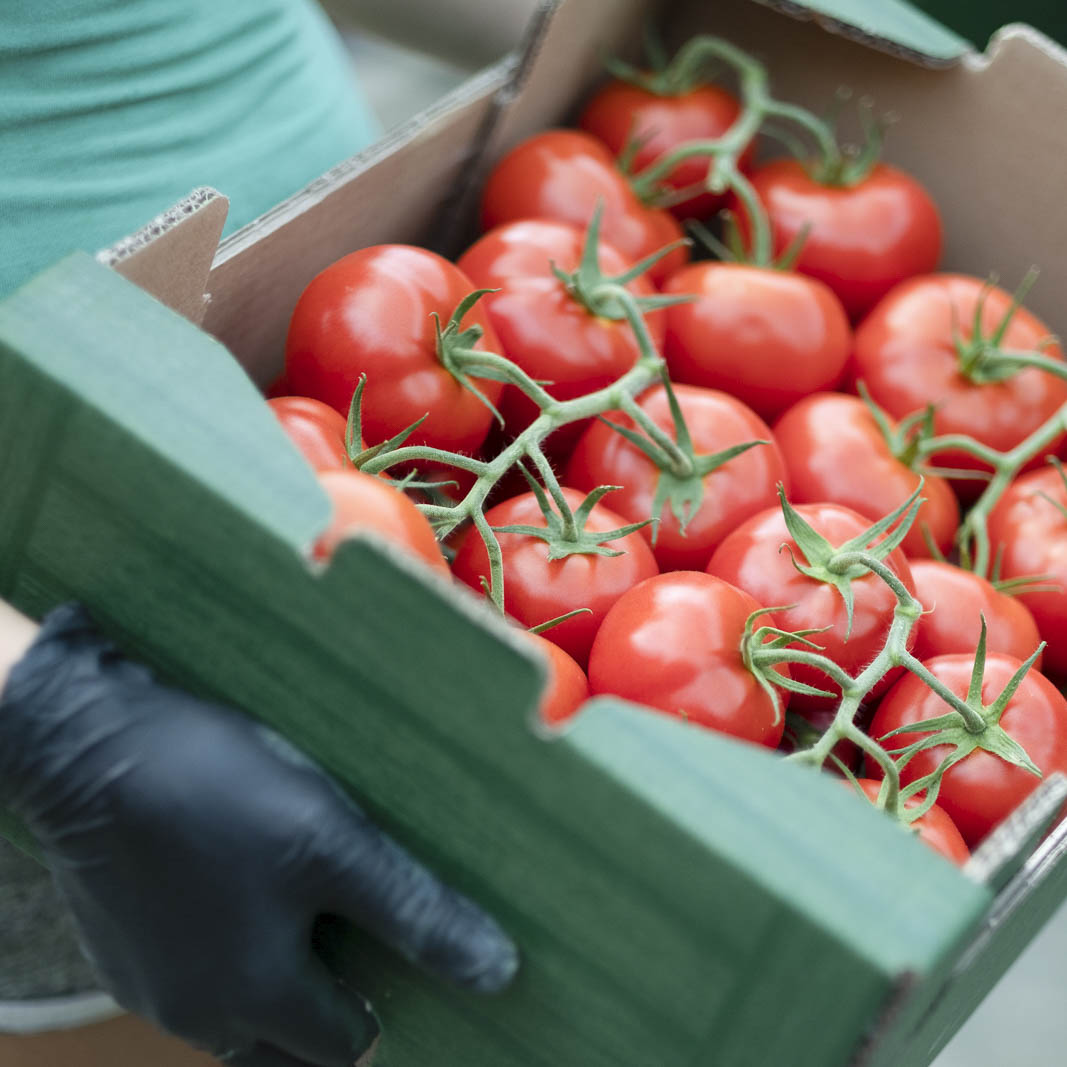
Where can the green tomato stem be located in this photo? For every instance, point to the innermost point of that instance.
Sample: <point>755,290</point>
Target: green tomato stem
<point>768,657</point>
<point>681,465</point>
<point>472,360</point>
<point>972,719</point>
<point>554,413</point>
<point>548,475</point>
<point>973,534</point>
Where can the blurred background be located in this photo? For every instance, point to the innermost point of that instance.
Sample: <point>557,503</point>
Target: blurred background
<point>1022,1022</point>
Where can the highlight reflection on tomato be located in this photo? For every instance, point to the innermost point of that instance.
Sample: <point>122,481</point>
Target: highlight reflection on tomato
<point>537,588</point>
<point>563,175</point>
<point>373,312</point>
<point>905,353</point>
<point>835,452</point>
<point>862,239</point>
<point>540,325</point>
<point>674,643</point>
<point>765,336</point>
<point>739,488</point>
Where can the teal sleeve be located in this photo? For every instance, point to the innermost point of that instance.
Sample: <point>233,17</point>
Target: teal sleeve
<point>111,110</point>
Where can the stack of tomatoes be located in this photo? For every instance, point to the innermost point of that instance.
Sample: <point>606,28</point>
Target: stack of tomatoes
<point>766,366</point>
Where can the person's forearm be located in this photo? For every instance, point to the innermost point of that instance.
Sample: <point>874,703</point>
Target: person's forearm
<point>469,32</point>
<point>16,635</point>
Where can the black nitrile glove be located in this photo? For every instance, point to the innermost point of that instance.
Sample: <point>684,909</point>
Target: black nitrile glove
<point>196,849</point>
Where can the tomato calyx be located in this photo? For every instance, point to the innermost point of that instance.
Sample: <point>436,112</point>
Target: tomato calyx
<point>598,292</point>
<point>359,454</point>
<point>905,441</point>
<point>564,531</point>
<point>970,725</point>
<point>453,342</point>
<point>682,471</point>
<point>733,250</point>
<point>982,360</point>
<point>849,166</point>
<point>761,652</point>
<point>840,565</point>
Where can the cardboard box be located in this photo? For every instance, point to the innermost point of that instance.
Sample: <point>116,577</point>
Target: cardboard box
<point>679,897</point>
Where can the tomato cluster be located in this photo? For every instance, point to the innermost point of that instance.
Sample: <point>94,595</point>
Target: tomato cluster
<point>720,517</point>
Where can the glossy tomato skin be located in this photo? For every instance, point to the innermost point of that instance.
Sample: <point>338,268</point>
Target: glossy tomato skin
<point>905,355</point>
<point>362,502</point>
<point>936,829</point>
<point>741,487</point>
<point>674,643</point>
<point>619,112</point>
<point>1031,534</point>
<point>765,336</point>
<point>562,175</point>
<point>835,452</point>
<point>372,312</point>
<point>566,688</point>
<point>954,601</point>
<point>863,239</point>
<point>982,789</point>
<point>540,326</point>
<point>754,559</point>
<point>317,429</point>
<point>537,589</point>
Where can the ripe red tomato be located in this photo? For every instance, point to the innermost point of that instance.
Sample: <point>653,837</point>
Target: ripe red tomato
<point>955,600</point>
<point>315,428</point>
<point>363,502</point>
<point>935,828</point>
<point>537,589</point>
<point>982,789</point>
<point>372,312</point>
<point>542,327</point>
<point>674,643</point>
<point>562,175</point>
<point>906,355</point>
<point>566,688</point>
<point>619,112</point>
<point>741,487</point>
<point>835,452</point>
<point>756,558</point>
<point>765,336</point>
<point>863,238</point>
<point>1031,532</point>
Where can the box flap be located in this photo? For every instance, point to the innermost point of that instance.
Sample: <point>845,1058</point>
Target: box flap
<point>893,26</point>
<point>181,532</point>
<point>169,387</point>
<point>170,257</point>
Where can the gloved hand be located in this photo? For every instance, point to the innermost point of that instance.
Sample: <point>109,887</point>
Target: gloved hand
<point>196,849</point>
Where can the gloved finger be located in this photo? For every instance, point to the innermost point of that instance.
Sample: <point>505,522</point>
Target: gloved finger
<point>317,1020</point>
<point>378,886</point>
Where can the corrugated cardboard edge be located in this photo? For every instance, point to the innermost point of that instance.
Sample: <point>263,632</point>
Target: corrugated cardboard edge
<point>1013,31</point>
<point>171,256</point>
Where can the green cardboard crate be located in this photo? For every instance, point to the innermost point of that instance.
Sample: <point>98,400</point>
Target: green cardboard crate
<point>679,898</point>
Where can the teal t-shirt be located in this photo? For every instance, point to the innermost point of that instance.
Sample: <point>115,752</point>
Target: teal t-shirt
<point>111,110</point>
